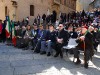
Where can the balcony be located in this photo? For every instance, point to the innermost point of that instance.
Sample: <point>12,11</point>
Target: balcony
<point>14,2</point>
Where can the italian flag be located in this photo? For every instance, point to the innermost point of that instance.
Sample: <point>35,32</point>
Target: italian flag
<point>13,34</point>
<point>8,27</point>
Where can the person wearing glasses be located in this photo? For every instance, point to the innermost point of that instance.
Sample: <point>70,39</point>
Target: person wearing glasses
<point>61,40</point>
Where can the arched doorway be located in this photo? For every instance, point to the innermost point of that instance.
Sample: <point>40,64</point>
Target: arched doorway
<point>56,8</point>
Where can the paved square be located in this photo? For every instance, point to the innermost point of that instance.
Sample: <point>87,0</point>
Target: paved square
<point>15,61</point>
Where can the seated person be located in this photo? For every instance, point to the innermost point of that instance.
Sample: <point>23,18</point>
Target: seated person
<point>61,40</point>
<point>35,31</point>
<point>50,41</point>
<point>27,37</point>
<point>41,37</point>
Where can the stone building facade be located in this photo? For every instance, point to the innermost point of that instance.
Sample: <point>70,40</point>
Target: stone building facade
<point>20,9</point>
<point>83,5</point>
<point>94,5</point>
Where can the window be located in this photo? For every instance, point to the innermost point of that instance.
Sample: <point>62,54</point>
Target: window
<point>64,2</point>
<point>31,10</point>
<point>6,11</point>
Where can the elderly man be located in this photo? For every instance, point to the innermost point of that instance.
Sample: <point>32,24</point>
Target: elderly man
<point>85,43</point>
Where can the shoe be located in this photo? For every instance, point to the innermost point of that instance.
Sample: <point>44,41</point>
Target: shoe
<point>86,65</point>
<point>43,52</point>
<point>49,54</point>
<point>32,49</point>
<point>61,56</point>
<point>78,62</point>
<point>36,51</point>
<point>56,55</point>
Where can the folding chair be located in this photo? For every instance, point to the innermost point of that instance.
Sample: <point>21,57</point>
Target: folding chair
<point>71,44</point>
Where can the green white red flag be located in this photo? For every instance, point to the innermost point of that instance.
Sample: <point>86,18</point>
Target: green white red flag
<point>13,34</point>
<point>7,27</point>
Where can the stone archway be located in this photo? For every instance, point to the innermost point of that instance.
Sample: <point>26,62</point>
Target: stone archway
<point>56,8</point>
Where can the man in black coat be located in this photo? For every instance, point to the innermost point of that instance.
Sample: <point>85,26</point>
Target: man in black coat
<point>61,40</point>
<point>43,17</point>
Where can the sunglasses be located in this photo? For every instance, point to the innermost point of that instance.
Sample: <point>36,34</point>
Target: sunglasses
<point>60,26</point>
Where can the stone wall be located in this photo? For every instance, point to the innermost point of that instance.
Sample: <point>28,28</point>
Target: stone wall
<point>40,7</point>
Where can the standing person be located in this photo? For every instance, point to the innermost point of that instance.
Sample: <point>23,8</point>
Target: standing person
<point>62,40</point>
<point>27,20</point>
<point>35,21</point>
<point>65,17</point>
<point>3,31</point>
<point>85,43</point>
<point>38,19</point>
<point>44,18</point>
<point>56,23</point>
<point>0,30</point>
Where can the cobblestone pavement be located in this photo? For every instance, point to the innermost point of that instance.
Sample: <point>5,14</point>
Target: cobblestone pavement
<point>15,61</point>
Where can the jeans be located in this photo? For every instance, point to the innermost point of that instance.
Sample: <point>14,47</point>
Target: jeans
<point>46,46</point>
<point>43,46</point>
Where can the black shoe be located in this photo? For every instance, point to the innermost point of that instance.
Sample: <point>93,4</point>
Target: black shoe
<point>78,62</point>
<point>36,51</point>
<point>56,55</point>
<point>32,49</point>
<point>43,52</point>
<point>49,54</point>
<point>61,56</point>
<point>86,65</point>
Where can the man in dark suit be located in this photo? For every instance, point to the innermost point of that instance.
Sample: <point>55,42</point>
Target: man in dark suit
<point>62,40</point>
<point>41,38</point>
<point>34,31</point>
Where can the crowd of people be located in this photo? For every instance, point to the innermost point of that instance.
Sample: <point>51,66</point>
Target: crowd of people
<point>43,40</point>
